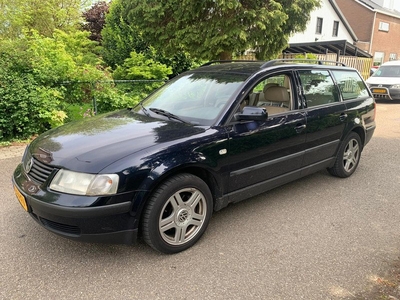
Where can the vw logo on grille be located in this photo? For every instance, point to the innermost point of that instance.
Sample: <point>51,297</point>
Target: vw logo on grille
<point>28,165</point>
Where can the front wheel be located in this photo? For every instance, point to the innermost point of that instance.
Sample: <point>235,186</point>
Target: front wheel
<point>348,156</point>
<point>177,214</point>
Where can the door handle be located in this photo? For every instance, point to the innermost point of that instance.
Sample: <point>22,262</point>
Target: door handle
<point>343,117</point>
<point>300,128</point>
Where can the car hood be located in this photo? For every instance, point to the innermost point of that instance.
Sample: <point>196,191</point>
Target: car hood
<point>383,80</point>
<point>92,144</point>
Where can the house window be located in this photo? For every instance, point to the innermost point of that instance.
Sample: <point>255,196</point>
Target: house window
<point>392,56</point>
<point>335,28</point>
<point>378,58</point>
<point>383,26</point>
<point>319,26</point>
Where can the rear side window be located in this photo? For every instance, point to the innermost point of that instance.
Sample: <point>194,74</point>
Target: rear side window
<point>350,84</point>
<point>318,87</point>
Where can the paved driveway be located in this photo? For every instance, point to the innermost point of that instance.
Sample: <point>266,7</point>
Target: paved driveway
<point>317,238</point>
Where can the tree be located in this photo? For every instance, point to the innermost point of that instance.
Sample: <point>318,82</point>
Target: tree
<point>44,16</point>
<point>95,18</point>
<point>212,29</point>
<point>120,37</point>
<point>138,67</point>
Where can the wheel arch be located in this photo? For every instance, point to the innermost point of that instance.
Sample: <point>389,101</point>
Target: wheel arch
<point>206,175</point>
<point>361,133</point>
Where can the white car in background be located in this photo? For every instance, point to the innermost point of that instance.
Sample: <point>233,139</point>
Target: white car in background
<point>385,82</point>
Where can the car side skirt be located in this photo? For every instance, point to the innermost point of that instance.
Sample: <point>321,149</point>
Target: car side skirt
<point>270,184</point>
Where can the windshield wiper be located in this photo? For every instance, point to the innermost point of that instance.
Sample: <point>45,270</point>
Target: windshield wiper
<point>167,114</point>
<point>144,109</point>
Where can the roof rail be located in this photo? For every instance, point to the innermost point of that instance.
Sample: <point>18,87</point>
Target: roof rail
<point>301,60</point>
<point>212,62</point>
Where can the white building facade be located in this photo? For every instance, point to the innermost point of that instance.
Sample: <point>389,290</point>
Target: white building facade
<point>326,23</point>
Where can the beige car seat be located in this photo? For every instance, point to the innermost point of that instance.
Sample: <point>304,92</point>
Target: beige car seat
<point>276,100</point>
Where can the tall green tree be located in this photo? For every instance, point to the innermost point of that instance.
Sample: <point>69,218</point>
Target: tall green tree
<point>44,16</point>
<point>212,29</point>
<point>120,37</point>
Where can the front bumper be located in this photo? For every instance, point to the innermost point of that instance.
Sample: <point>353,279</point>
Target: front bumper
<point>384,93</point>
<point>112,223</point>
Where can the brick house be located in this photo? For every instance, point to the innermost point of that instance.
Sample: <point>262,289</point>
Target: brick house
<point>377,28</point>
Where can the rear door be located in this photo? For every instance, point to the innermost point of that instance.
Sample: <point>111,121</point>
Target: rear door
<point>326,117</point>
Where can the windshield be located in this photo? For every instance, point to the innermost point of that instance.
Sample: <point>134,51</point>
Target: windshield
<point>196,98</point>
<point>387,71</point>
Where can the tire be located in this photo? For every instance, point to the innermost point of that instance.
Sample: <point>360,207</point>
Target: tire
<point>348,156</point>
<point>177,214</point>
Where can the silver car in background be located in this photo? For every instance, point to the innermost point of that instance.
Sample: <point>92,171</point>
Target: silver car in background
<point>385,82</point>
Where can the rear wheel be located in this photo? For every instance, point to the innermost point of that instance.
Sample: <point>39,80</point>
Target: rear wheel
<point>348,156</point>
<point>177,214</point>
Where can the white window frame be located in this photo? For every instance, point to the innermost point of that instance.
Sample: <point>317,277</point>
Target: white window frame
<point>392,56</point>
<point>379,57</point>
<point>335,30</point>
<point>320,24</point>
<point>384,26</point>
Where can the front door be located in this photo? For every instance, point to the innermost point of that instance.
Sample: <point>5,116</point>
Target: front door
<point>266,154</point>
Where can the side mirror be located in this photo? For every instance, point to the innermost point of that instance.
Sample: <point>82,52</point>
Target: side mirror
<point>252,113</point>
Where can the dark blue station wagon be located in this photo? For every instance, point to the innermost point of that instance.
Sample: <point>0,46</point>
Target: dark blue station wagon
<point>212,136</point>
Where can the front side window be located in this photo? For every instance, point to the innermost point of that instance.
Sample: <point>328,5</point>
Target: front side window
<point>318,87</point>
<point>273,93</point>
<point>350,84</point>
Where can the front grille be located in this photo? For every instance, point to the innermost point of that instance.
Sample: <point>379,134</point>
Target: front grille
<point>62,228</point>
<point>380,96</point>
<point>39,171</point>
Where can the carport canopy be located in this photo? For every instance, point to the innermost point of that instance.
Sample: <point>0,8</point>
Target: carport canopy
<point>342,47</point>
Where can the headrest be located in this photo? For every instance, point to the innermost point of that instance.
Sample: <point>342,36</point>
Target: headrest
<point>277,93</point>
<point>268,85</point>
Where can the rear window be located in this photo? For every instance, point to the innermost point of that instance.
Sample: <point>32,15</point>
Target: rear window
<point>350,84</point>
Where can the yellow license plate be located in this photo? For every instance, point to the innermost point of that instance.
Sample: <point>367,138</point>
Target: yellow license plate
<point>21,198</point>
<point>379,91</point>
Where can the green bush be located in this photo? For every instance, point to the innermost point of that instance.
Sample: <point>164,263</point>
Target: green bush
<point>45,82</point>
<point>42,78</point>
<point>26,108</point>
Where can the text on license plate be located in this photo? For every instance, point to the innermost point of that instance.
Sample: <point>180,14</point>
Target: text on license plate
<point>379,91</point>
<point>21,198</point>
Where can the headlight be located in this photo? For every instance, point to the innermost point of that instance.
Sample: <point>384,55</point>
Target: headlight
<point>396,86</point>
<point>85,184</point>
